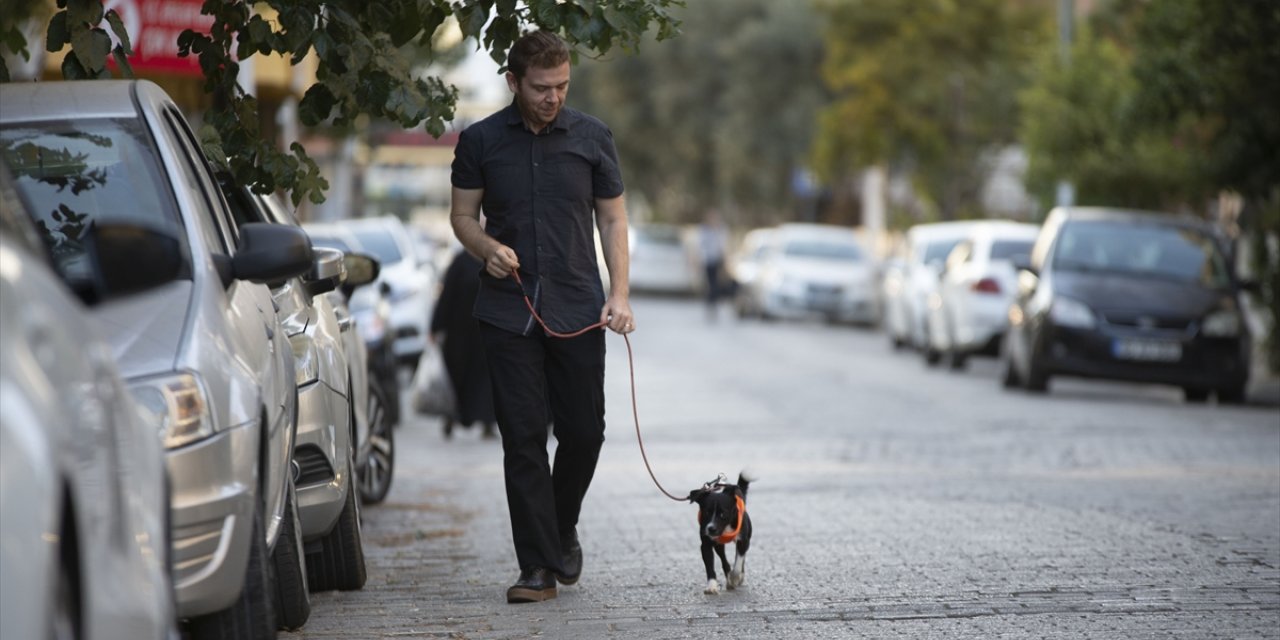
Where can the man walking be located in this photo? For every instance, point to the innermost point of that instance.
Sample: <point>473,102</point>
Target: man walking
<point>540,171</point>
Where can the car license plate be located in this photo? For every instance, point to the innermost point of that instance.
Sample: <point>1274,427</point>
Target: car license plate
<point>1147,350</point>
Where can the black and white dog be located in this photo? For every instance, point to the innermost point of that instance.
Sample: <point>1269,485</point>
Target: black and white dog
<point>722,518</point>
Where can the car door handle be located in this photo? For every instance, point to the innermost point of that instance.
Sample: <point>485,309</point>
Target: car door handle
<point>271,333</point>
<point>344,323</point>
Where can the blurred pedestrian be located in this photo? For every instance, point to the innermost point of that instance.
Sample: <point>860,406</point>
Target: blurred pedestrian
<point>455,332</point>
<point>540,171</point>
<point>713,243</point>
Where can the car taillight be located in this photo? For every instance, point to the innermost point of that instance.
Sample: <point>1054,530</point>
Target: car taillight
<point>987,285</point>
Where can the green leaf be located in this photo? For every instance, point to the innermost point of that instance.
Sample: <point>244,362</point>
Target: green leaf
<point>122,61</point>
<point>58,36</point>
<point>84,12</point>
<point>4,70</point>
<point>117,27</point>
<point>91,46</point>
<point>73,70</point>
<point>316,105</point>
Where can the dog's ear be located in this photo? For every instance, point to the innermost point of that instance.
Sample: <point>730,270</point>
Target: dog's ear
<point>696,495</point>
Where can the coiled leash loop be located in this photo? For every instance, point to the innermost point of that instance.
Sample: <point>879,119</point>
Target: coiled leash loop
<point>631,363</point>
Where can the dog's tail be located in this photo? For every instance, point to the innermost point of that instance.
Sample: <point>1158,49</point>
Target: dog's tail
<point>745,478</point>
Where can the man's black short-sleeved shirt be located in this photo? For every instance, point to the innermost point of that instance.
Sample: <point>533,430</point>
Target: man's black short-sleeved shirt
<point>539,199</point>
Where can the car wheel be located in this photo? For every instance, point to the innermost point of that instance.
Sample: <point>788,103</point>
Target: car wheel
<point>251,616</point>
<point>339,564</point>
<point>293,598</point>
<point>375,477</point>
<point>1037,380</point>
<point>1231,395</point>
<point>64,622</point>
<point>1197,395</point>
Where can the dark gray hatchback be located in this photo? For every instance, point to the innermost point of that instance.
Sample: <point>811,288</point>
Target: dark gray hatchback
<point>1129,295</point>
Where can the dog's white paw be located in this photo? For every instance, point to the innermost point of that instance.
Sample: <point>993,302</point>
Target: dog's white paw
<point>713,587</point>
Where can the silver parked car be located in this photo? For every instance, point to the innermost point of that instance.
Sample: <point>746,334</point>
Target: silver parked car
<point>84,513</point>
<point>204,353</point>
<point>411,280</point>
<point>324,450</point>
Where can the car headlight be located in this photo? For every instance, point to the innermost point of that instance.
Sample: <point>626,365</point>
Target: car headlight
<point>177,405</point>
<point>1224,323</point>
<point>1066,312</point>
<point>306,359</point>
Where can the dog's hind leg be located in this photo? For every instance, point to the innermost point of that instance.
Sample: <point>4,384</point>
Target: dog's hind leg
<point>733,579</point>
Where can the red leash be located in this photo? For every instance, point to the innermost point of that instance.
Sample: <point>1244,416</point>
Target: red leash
<point>631,363</point>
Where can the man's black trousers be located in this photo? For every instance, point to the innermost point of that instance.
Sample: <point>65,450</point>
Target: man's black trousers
<point>538,381</point>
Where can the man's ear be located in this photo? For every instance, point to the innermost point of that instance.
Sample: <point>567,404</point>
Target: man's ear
<point>513,83</point>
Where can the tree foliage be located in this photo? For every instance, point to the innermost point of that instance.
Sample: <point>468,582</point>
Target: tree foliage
<point>926,88</point>
<point>362,68</point>
<point>722,116</point>
<point>1080,125</point>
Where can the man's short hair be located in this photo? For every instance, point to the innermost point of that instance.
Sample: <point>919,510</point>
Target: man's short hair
<point>541,49</point>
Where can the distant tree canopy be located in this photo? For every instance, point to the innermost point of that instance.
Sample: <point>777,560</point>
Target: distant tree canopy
<point>363,68</point>
<point>927,89</point>
<point>722,116</point>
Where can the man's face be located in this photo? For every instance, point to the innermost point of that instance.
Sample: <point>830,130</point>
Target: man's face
<point>540,93</point>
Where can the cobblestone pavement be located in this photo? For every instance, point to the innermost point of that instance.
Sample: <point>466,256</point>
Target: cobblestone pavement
<point>892,501</point>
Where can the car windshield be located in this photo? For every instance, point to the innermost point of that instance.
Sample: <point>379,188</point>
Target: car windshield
<point>1143,248</point>
<point>937,250</point>
<point>822,250</point>
<point>77,173</point>
<point>1010,249</point>
<point>659,235</point>
<point>380,243</point>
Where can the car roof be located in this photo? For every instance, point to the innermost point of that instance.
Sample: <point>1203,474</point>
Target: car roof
<point>66,100</point>
<point>1126,215</point>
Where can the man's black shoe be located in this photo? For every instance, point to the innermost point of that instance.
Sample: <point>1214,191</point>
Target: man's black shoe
<point>535,585</point>
<point>572,561</point>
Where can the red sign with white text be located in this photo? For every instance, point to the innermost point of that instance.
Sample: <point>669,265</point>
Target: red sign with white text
<point>154,26</point>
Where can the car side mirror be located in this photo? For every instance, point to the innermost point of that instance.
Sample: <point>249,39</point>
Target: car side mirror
<point>361,269</point>
<point>271,253</point>
<point>327,272</point>
<point>130,258</point>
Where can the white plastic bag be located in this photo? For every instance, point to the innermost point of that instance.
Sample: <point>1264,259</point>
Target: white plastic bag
<point>432,392</point>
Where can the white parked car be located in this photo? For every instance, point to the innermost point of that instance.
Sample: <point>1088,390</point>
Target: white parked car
<point>661,261</point>
<point>204,354</point>
<point>744,269</point>
<point>84,508</point>
<point>815,270</point>
<point>909,287</point>
<point>411,282</point>
<point>970,311</point>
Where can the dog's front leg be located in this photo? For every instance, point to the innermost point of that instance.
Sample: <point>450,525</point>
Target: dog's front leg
<point>713,587</point>
<point>724,562</point>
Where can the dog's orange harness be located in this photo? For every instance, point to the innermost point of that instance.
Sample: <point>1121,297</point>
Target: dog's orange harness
<point>732,534</point>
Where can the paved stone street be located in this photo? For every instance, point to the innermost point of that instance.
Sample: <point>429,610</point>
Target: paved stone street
<point>892,501</point>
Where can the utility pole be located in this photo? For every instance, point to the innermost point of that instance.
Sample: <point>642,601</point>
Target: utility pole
<point>1066,192</point>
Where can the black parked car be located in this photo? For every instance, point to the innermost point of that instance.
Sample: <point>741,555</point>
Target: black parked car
<point>1129,295</point>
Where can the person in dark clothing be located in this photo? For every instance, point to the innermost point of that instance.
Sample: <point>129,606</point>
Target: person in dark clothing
<point>455,331</point>
<point>546,176</point>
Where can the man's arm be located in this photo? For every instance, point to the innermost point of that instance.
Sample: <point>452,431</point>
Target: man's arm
<point>464,217</point>
<point>611,218</point>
